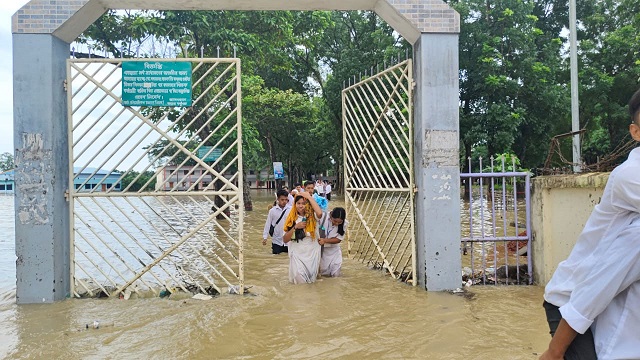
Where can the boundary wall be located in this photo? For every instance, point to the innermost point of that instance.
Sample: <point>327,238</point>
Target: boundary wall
<point>560,206</point>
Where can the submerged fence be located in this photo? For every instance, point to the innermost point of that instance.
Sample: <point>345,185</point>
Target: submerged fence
<point>496,224</point>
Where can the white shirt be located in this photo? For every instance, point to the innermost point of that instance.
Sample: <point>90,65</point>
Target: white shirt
<point>328,189</point>
<point>331,231</point>
<point>273,216</point>
<point>290,200</point>
<point>599,279</point>
<point>319,187</point>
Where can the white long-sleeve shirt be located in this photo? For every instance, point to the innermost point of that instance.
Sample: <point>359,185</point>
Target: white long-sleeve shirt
<point>272,217</point>
<point>599,279</point>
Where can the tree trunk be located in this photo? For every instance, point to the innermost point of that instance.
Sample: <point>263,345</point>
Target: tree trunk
<point>246,193</point>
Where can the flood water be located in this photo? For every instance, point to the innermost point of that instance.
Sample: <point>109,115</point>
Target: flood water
<point>363,314</point>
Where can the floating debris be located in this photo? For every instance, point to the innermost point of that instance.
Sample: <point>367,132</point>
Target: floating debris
<point>202,297</point>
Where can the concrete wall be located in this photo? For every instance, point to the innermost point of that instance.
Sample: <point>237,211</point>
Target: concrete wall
<point>560,206</point>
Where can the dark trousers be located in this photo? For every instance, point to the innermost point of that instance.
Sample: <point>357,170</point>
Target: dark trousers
<point>582,347</point>
<point>328,196</point>
<point>277,249</point>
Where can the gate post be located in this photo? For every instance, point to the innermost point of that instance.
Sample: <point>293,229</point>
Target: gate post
<point>436,161</point>
<point>42,168</point>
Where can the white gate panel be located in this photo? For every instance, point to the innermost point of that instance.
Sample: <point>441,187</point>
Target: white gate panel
<point>156,199</point>
<point>378,148</point>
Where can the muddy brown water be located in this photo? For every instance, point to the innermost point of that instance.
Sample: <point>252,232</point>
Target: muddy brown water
<point>363,314</point>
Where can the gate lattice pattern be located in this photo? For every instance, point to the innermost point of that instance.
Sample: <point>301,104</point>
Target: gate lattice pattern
<point>378,148</point>
<point>177,225</point>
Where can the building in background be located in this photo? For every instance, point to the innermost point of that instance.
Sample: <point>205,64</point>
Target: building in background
<point>7,183</point>
<point>90,179</point>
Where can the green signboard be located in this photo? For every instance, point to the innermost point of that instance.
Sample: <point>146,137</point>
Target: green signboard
<point>212,156</point>
<point>156,83</point>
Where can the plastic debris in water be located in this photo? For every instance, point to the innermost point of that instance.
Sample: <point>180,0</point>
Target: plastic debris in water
<point>202,297</point>
<point>96,324</point>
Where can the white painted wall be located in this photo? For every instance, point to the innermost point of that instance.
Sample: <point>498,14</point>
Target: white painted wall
<point>560,206</point>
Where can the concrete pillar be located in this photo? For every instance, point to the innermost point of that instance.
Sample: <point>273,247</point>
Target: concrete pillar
<point>436,155</point>
<point>41,177</point>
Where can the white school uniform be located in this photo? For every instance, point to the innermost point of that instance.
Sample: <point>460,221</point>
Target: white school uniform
<point>599,280</point>
<point>304,258</point>
<point>331,260</point>
<point>278,231</point>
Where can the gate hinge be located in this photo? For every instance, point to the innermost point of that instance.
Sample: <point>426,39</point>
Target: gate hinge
<point>64,85</point>
<point>415,189</point>
<point>413,84</point>
<point>66,195</point>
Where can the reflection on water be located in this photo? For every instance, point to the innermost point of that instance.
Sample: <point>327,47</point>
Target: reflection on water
<point>362,314</point>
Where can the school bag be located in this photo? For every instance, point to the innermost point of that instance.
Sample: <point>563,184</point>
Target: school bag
<point>273,227</point>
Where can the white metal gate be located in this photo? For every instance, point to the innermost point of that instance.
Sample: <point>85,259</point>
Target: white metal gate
<point>379,184</point>
<point>183,233</point>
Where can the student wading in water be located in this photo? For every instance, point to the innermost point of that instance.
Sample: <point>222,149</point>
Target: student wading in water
<point>275,221</point>
<point>301,234</point>
<point>593,299</point>
<point>332,227</point>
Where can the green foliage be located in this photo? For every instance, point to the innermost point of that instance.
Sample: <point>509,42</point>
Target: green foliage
<point>514,72</point>
<point>6,162</point>
<point>510,94</point>
<point>139,183</point>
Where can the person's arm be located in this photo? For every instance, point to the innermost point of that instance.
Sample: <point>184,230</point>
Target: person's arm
<point>267,226</point>
<point>560,342</point>
<point>333,240</point>
<point>314,204</point>
<point>614,268</point>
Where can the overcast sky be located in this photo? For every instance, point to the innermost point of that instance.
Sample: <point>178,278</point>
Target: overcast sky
<point>7,9</point>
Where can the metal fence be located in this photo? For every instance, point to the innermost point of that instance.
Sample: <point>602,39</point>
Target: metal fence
<point>496,224</point>
<point>379,185</point>
<point>153,212</point>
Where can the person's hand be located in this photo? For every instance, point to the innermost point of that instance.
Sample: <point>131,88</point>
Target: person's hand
<point>305,195</point>
<point>322,241</point>
<point>547,355</point>
<point>264,242</point>
<point>301,225</point>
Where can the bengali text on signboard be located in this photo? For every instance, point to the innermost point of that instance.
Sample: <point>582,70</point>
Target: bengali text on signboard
<point>156,83</point>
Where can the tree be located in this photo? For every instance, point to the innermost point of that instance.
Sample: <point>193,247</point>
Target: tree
<point>6,162</point>
<point>511,96</point>
<point>609,74</point>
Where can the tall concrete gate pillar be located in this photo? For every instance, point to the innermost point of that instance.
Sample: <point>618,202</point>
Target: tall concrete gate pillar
<point>42,168</point>
<point>436,161</point>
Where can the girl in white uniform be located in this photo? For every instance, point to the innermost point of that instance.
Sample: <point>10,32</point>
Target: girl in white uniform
<point>301,234</point>
<point>332,228</point>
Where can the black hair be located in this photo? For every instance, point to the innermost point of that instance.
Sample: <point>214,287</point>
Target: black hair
<point>634,107</point>
<point>297,184</point>
<point>282,192</point>
<point>339,213</point>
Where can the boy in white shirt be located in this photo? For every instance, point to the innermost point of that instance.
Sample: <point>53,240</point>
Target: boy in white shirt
<point>274,226</point>
<point>593,299</point>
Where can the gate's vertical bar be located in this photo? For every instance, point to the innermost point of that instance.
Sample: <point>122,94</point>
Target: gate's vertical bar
<point>344,161</point>
<point>240,180</point>
<point>72,188</point>
<point>412,187</point>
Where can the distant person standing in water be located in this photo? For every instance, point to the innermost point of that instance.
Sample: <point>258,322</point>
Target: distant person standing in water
<point>592,302</point>
<point>332,228</point>
<point>327,190</point>
<point>274,226</point>
<point>301,234</point>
